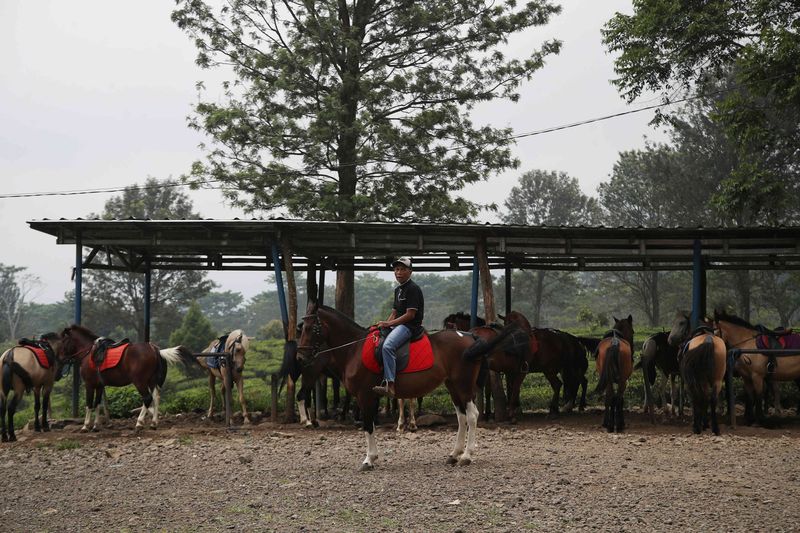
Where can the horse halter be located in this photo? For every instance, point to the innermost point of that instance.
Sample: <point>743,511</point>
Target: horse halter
<point>316,334</point>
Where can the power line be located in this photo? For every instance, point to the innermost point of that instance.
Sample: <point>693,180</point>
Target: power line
<point>457,147</point>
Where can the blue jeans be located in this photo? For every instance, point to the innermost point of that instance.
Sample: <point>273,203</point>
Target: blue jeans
<point>399,335</point>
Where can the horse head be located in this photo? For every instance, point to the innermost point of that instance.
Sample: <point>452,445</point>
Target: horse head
<point>625,327</point>
<point>237,344</point>
<point>73,341</point>
<point>312,334</point>
<point>680,330</point>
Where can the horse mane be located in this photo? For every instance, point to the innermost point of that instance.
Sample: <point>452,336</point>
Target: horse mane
<point>461,315</point>
<point>342,316</point>
<point>733,319</point>
<point>86,332</point>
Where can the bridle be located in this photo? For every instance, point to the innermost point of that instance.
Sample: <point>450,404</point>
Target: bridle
<point>316,334</point>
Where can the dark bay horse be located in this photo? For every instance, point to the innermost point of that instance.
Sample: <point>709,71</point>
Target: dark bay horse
<point>703,358</point>
<point>555,352</point>
<point>461,321</point>
<point>22,372</point>
<point>142,364</point>
<point>659,354</point>
<point>324,326</point>
<point>614,367</point>
<point>236,343</point>
<point>510,357</point>
<point>754,368</point>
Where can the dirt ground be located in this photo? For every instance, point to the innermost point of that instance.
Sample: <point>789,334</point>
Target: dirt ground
<point>564,474</point>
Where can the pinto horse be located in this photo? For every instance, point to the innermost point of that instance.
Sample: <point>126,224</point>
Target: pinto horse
<point>324,326</point>
<point>615,366</point>
<point>703,359</point>
<point>141,363</point>
<point>23,370</point>
<point>754,368</point>
<point>236,343</point>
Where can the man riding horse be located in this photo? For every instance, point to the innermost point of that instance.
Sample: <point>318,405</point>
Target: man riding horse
<point>405,322</point>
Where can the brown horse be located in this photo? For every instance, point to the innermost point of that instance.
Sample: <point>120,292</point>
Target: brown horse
<point>324,326</point>
<point>22,372</point>
<point>553,352</point>
<point>658,354</point>
<point>754,368</point>
<point>142,363</point>
<point>614,366</point>
<point>703,361</point>
<point>510,357</point>
<point>236,343</point>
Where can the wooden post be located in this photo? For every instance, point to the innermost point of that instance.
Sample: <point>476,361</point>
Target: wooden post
<point>291,287</point>
<point>496,381</point>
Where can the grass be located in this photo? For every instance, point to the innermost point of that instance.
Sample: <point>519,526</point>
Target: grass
<point>68,444</point>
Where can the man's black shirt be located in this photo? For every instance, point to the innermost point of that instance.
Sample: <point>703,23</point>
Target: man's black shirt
<point>409,296</point>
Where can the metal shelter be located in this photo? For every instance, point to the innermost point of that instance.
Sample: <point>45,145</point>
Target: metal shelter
<point>287,245</point>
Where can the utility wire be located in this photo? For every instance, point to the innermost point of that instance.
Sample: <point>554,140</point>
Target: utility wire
<point>452,148</point>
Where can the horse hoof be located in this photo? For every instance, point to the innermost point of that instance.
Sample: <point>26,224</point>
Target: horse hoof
<point>464,461</point>
<point>12,438</point>
<point>365,467</point>
<point>37,429</point>
<point>5,438</point>
<point>138,429</point>
<point>412,428</point>
<point>246,421</point>
<point>84,429</point>
<point>315,423</point>
<point>46,429</point>
<point>451,460</point>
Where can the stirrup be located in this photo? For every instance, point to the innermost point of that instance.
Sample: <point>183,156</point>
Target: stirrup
<point>383,389</point>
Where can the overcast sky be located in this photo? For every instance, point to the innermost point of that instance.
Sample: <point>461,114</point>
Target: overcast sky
<point>96,94</point>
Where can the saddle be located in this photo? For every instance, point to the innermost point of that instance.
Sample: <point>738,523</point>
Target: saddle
<point>214,360</point>
<point>413,356</point>
<point>777,339</point>
<point>101,347</point>
<point>42,349</point>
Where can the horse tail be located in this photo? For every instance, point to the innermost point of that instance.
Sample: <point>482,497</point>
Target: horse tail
<point>481,348</point>
<point>697,366</point>
<point>11,367</point>
<point>290,365</point>
<point>590,343</point>
<point>610,371</point>
<point>648,361</point>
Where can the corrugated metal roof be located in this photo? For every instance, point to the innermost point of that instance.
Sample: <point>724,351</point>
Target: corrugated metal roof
<point>246,244</point>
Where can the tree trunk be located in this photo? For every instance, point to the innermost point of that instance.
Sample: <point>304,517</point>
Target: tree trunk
<point>655,313</point>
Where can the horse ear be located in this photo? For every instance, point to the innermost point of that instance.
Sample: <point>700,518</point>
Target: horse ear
<point>615,318</point>
<point>630,319</point>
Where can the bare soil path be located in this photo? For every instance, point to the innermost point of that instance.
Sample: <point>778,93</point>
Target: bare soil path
<point>546,475</point>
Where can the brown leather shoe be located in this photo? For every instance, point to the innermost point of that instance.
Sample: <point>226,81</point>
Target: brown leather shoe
<point>384,389</point>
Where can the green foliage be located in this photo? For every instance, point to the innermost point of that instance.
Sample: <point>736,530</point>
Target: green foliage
<point>122,400</point>
<point>271,330</point>
<point>195,332</point>
<point>594,320</point>
<point>15,287</point>
<point>114,298</point>
<point>68,444</point>
<point>374,127</point>
<point>742,56</point>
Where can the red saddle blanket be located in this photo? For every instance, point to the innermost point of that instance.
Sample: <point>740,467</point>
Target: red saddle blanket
<point>40,355</point>
<point>788,341</point>
<point>420,354</point>
<point>113,357</point>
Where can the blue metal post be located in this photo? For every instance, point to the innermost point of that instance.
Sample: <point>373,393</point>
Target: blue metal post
<point>76,375</point>
<point>147,284</point>
<point>473,308</point>
<point>276,262</point>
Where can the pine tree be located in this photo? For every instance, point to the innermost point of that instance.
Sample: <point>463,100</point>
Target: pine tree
<point>195,332</point>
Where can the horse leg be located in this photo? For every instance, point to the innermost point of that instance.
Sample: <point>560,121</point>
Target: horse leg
<point>608,414</point>
<point>584,384</point>
<point>555,383</point>
<point>36,407</point>
<point>45,408</point>
<point>401,418</point>
<point>419,405</point>
<point>715,390</point>
<point>369,410</point>
<point>461,436</point>
<point>619,418</point>
<point>472,431</point>
<point>106,413</point>
<point>87,419</point>
<point>147,400</point>
<point>12,408</point>
<point>212,392</point>
<point>156,402</point>
<point>3,417</point>
<point>412,420</point>
<point>514,384</point>
<point>758,390</point>
<point>242,401</point>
